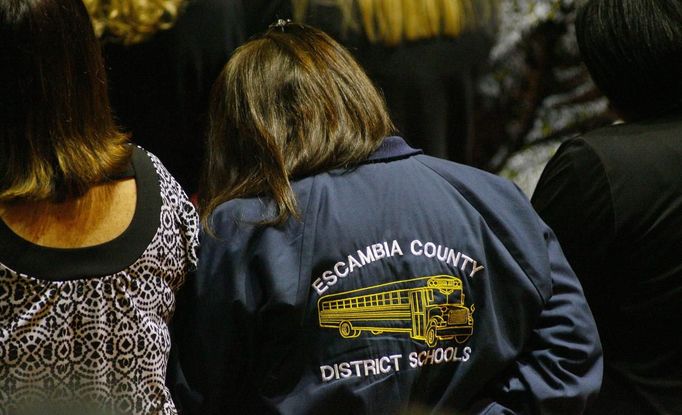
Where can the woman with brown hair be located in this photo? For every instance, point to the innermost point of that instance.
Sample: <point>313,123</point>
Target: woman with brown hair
<point>95,235</point>
<point>344,272</point>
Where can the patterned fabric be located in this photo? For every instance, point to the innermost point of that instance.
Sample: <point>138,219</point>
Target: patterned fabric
<point>101,340</point>
<point>538,87</point>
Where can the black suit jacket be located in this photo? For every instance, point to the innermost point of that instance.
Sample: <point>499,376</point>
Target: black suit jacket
<point>614,199</point>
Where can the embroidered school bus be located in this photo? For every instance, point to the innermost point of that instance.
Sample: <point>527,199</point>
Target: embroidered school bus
<point>428,308</point>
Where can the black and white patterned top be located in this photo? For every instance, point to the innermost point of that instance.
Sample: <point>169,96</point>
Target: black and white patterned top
<point>89,325</point>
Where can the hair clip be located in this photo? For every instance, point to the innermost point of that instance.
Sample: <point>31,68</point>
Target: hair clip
<point>280,23</point>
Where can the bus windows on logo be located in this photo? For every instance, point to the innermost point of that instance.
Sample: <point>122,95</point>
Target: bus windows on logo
<point>429,309</point>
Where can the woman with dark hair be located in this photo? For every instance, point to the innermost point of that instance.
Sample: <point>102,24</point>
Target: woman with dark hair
<point>614,198</point>
<point>95,235</point>
<point>344,272</point>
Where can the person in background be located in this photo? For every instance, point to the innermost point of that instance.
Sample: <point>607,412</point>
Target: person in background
<point>424,55</point>
<point>342,271</point>
<point>95,234</point>
<point>537,93</point>
<point>162,57</point>
<point>614,199</point>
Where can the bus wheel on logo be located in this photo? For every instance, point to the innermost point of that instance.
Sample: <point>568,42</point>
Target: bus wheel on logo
<point>347,331</point>
<point>431,335</point>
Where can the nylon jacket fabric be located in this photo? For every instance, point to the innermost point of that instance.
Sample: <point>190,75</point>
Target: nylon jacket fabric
<point>410,284</point>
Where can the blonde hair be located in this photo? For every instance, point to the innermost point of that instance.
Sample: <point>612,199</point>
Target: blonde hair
<point>393,21</point>
<point>132,21</point>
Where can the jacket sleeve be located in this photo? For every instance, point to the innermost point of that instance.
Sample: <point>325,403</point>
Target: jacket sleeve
<point>573,197</point>
<point>560,369</point>
<point>209,338</point>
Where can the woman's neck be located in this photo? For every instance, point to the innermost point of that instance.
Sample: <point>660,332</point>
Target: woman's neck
<point>100,215</point>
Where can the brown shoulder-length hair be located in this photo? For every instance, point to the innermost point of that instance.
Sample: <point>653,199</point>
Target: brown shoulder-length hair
<point>57,135</point>
<point>290,103</point>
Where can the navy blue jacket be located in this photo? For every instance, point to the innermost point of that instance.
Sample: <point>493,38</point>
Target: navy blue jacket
<point>410,284</point>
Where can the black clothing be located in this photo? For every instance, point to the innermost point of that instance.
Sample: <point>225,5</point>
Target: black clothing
<point>614,199</point>
<point>429,84</point>
<point>160,87</point>
<point>429,87</point>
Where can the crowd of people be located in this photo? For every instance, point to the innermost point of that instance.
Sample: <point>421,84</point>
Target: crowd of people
<point>282,207</point>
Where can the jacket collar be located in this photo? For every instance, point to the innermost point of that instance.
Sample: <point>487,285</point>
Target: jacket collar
<point>392,148</point>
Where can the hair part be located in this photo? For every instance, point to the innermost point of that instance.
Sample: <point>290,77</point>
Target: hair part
<point>288,104</point>
<point>132,21</point>
<point>633,50</point>
<point>58,137</point>
<point>392,22</point>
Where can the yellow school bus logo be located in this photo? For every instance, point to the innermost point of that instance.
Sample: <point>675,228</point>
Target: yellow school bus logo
<point>428,308</point>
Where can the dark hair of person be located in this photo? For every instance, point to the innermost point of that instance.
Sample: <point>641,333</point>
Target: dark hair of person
<point>290,103</point>
<point>57,134</point>
<point>633,50</point>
